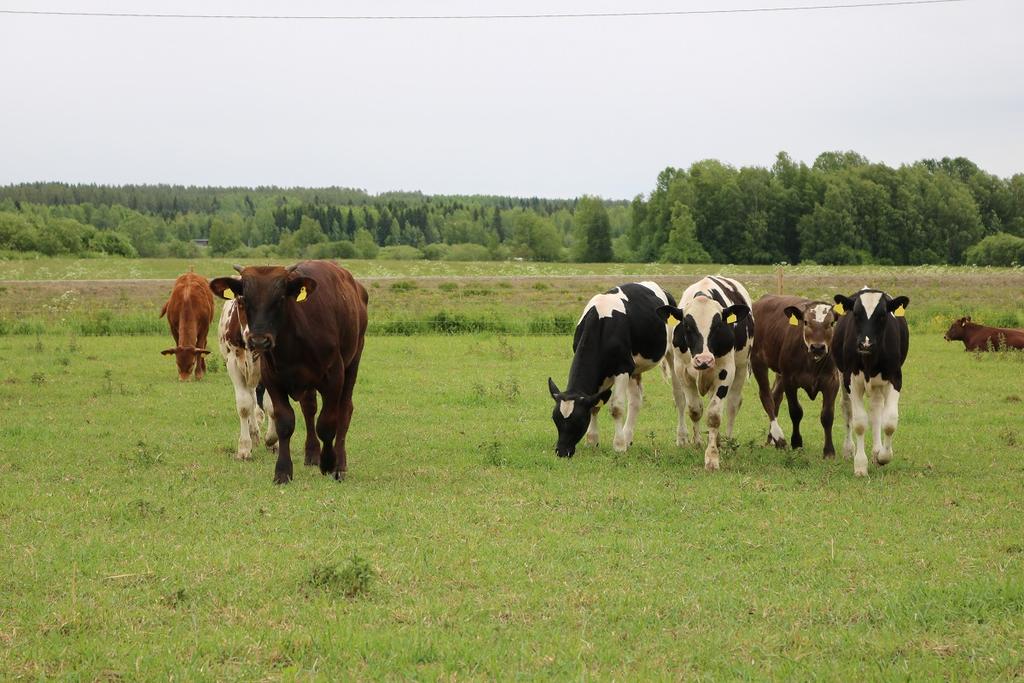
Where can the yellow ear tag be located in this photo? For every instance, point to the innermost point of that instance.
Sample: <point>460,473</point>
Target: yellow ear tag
<point>838,308</point>
<point>731,319</point>
<point>900,311</point>
<point>793,321</point>
<point>228,294</point>
<point>302,295</point>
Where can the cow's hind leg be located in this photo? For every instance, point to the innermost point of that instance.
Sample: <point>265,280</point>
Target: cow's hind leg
<point>734,399</point>
<point>636,401</point>
<point>270,439</point>
<point>847,409</point>
<point>828,406</point>
<point>776,436</point>
<point>679,396</point>
<point>617,407</point>
<point>308,404</point>
<point>346,408</point>
<point>796,413</point>
<point>890,418</point>
<point>592,434</point>
<point>876,400</point>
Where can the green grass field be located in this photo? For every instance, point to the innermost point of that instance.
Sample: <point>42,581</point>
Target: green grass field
<point>135,547</point>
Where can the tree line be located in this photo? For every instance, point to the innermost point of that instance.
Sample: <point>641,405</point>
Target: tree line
<point>842,209</point>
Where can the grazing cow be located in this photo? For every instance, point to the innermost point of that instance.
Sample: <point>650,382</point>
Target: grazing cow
<point>794,340</point>
<point>619,336</point>
<point>307,325</point>
<point>711,353</point>
<point>244,370</point>
<point>982,338</point>
<point>870,344</point>
<point>189,311</point>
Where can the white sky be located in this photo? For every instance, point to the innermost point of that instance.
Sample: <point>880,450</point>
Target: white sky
<point>556,107</point>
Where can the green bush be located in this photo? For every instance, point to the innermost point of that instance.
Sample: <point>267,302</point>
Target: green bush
<point>400,252</point>
<point>1000,249</point>
<point>467,252</point>
<point>342,249</point>
<point>436,252</point>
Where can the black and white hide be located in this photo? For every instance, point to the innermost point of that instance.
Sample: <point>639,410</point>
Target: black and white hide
<point>711,355</point>
<point>870,345</point>
<point>619,336</point>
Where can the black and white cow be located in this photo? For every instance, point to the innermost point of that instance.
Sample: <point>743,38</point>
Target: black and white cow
<point>870,344</point>
<point>619,336</point>
<point>711,353</point>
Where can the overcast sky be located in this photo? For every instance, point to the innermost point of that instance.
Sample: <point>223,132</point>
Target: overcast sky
<point>556,107</point>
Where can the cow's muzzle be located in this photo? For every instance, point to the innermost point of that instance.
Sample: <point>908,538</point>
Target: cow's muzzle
<point>703,361</point>
<point>819,351</point>
<point>260,342</point>
<point>565,451</point>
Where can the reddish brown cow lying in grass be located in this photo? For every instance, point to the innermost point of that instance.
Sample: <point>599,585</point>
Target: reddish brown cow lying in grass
<point>982,338</point>
<point>189,311</point>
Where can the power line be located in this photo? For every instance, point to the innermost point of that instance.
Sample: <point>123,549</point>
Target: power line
<point>450,17</point>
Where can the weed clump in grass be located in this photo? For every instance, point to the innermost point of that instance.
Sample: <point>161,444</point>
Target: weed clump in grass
<point>352,580</point>
<point>403,286</point>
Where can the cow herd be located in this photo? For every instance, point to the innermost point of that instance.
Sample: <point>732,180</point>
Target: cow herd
<point>298,332</point>
<point>713,338</point>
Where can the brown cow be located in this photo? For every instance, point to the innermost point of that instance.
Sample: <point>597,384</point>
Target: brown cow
<point>981,338</point>
<point>793,338</point>
<point>189,311</point>
<point>307,324</point>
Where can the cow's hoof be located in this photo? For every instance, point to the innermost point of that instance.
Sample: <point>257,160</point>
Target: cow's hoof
<point>778,443</point>
<point>282,478</point>
<point>243,456</point>
<point>711,466</point>
<point>829,455</point>
<point>796,442</point>
<point>620,445</point>
<point>848,451</point>
<point>883,458</point>
<point>339,475</point>
<point>860,471</point>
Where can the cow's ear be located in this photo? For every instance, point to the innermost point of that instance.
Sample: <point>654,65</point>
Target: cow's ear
<point>736,313</point>
<point>898,306</point>
<point>301,287</point>
<point>226,287</point>
<point>203,351</point>
<point>794,314</point>
<point>555,393</point>
<point>603,397</point>
<point>168,352</point>
<point>665,312</point>
<point>843,304</point>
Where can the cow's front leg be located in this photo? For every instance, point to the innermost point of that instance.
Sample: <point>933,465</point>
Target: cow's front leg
<point>593,436</point>
<point>859,425</point>
<point>796,414</point>
<point>636,401</point>
<point>694,407</point>
<point>714,419</point>
<point>876,400</point>
<point>620,394</point>
<point>284,420</point>
<point>890,418</point>
<point>679,396</point>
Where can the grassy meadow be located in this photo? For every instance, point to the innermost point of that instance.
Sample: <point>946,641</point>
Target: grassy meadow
<point>135,547</point>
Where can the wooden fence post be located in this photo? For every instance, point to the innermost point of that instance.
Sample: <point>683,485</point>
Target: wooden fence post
<point>778,280</point>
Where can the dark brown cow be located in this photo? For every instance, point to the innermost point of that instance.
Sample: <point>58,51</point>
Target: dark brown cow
<point>307,325</point>
<point>982,338</point>
<point>793,338</point>
<point>189,311</point>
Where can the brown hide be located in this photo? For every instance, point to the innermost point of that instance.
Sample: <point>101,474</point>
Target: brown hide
<point>314,344</point>
<point>189,311</point>
<point>983,338</point>
<point>779,346</point>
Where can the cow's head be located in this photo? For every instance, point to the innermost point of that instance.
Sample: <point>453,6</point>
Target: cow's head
<point>572,416</point>
<point>957,329</point>
<point>705,329</point>
<point>187,358</point>
<point>262,292</point>
<point>815,320</point>
<point>871,310</point>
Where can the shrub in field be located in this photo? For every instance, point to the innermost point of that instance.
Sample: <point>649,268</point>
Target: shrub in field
<point>403,286</point>
<point>436,252</point>
<point>327,250</point>
<point>467,252</point>
<point>400,252</point>
<point>1000,249</point>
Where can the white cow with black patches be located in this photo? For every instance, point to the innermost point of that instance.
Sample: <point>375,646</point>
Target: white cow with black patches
<point>244,370</point>
<point>619,336</point>
<point>711,355</point>
<point>870,345</point>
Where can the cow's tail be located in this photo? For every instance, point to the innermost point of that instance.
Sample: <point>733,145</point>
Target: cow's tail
<point>667,367</point>
<point>163,311</point>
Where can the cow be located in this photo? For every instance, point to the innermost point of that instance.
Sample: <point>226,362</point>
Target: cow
<point>983,338</point>
<point>619,336</point>
<point>793,339</point>
<point>307,326</point>
<point>189,311</point>
<point>870,345</point>
<point>711,353</point>
<point>244,371</point>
